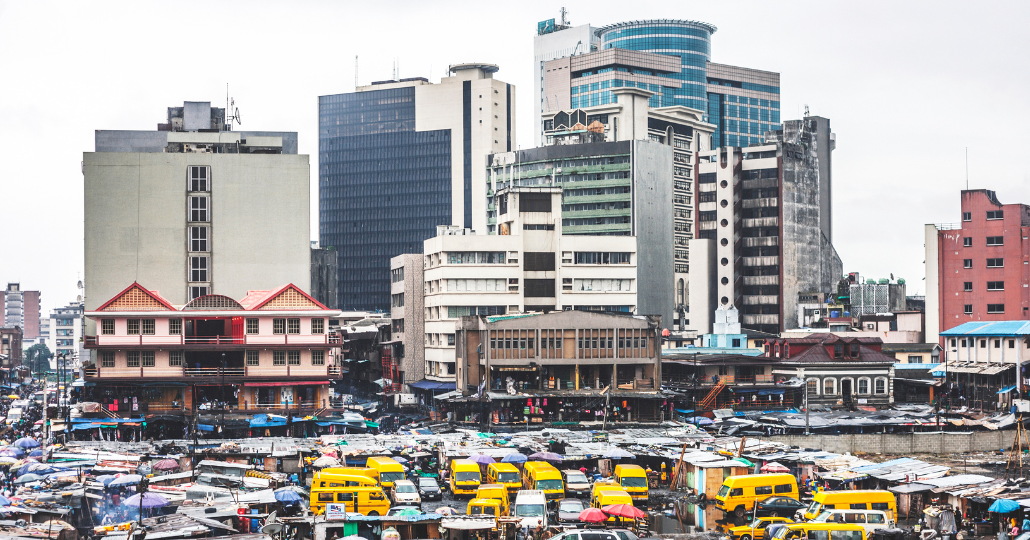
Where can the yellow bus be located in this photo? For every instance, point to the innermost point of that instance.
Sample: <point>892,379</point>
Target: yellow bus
<point>859,499</point>
<point>357,471</point>
<point>485,507</point>
<point>543,476</point>
<point>820,531</point>
<point>505,474</point>
<point>739,494</point>
<point>632,478</point>
<point>465,477</point>
<point>331,480</point>
<point>387,470</point>
<point>497,492</point>
<point>607,494</point>
<point>370,501</point>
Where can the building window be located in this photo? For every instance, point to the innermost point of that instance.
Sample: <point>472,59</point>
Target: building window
<point>198,269</point>
<point>997,344</point>
<point>983,343</point>
<point>147,357</point>
<point>132,327</point>
<point>863,385</point>
<point>838,350</point>
<point>278,326</point>
<point>294,357</point>
<point>197,292</point>
<point>318,358</point>
<point>829,386</point>
<point>967,242</point>
<point>995,285</point>
<point>252,326</point>
<point>199,209</point>
<point>854,350</point>
<point>107,327</point>
<point>292,326</point>
<point>450,339</point>
<point>317,326</point>
<point>995,240</point>
<point>175,358</point>
<point>148,327</point>
<point>1012,344</point>
<point>198,239</point>
<point>995,308</point>
<point>106,358</point>
<point>967,216</point>
<point>995,263</point>
<point>995,214</point>
<point>880,385</point>
<point>967,286</point>
<point>397,300</point>
<point>253,358</point>
<point>968,310</point>
<point>915,359</point>
<point>278,358</point>
<point>736,343</point>
<point>967,263</point>
<point>132,359</point>
<point>198,178</point>
<point>813,387</point>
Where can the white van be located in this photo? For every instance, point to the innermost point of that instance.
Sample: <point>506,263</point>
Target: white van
<point>870,520</point>
<point>13,416</point>
<point>531,508</point>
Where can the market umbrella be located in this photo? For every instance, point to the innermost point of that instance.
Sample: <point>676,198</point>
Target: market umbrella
<point>326,461</point>
<point>105,478</point>
<point>618,453</point>
<point>400,459</point>
<point>12,451</point>
<point>150,500</point>
<point>7,460</point>
<point>772,466</point>
<point>546,456</point>
<point>26,443</point>
<point>166,465</point>
<point>126,480</point>
<point>482,459</point>
<point>624,510</point>
<point>27,478</point>
<point>514,458</point>
<point>407,512</point>
<point>55,524</point>
<point>4,501</point>
<point>36,453</point>
<point>287,496</point>
<point>592,515</point>
<point>1004,506</point>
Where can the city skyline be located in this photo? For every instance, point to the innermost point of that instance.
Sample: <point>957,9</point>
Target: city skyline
<point>906,75</point>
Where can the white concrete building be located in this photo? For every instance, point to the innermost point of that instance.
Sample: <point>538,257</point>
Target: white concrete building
<point>406,314</point>
<point>194,209</point>
<point>65,335</point>
<point>530,267</point>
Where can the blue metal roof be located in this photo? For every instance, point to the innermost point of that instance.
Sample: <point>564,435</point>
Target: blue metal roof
<point>985,328</point>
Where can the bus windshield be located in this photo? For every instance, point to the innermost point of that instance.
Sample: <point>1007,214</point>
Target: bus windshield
<point>548,484</point>
<point>466,476</point>
<point>391,476</point>
<point>508,477</point>
<point>529,510</point>
<point>634,482</point>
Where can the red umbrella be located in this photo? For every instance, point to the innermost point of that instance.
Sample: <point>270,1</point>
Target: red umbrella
<point>624,510</point>
<point>592,515</point>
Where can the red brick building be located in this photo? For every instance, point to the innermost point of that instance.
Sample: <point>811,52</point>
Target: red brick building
<point>978,269</point>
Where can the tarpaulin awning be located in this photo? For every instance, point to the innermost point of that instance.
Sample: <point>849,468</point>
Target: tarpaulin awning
<point>1007,389</point>
<point>284,383</point>
<point>205,427</point>
<point>684,411</point>
<point>432,385</point>
<point>770,392</point>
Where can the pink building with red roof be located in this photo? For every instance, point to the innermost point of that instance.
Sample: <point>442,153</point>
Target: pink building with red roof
<point>269,351</point>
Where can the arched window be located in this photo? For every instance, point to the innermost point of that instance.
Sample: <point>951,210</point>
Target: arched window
<point>881,385</point>
<point>863,385</point>
<point>813,386</point>
<point>829,386</point>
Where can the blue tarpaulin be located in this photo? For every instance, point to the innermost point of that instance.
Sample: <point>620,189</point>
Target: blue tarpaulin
<point>205,427</point>
<point>684,411</point>
<point>1007,389</point>
<point>432,385</point>
<point>770,392</point>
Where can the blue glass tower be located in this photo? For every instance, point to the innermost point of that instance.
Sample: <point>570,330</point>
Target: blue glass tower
<point>382,187</point>
<point>691,41</point>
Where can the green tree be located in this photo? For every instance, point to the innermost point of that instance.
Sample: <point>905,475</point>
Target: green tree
<point>37,358</point>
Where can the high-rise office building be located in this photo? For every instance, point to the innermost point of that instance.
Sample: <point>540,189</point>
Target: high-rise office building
<point>743,103</point>
<point>398,158</point>
<point>194,208</point>
<point>21,308</point>
<point>555,40</point>
<point>761,243</point>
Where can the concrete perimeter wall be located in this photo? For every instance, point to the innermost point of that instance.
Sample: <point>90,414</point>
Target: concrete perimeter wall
<point>903,443</point>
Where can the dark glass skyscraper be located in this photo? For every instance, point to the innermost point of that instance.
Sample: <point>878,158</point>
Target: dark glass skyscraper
<point>383,187</point>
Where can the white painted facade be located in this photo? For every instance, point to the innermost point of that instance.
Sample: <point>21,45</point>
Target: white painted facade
<point>504,279</point>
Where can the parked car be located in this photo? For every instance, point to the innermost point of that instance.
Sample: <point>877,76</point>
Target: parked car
<point>406,510</point>
<point>756,529</point>
<point>405,492</point>
<point>576,483</point>
<point>624,534</point>
<point>429,489</point>
<point>778,506</point>
<point>568,511</point>
<point>586,534</point>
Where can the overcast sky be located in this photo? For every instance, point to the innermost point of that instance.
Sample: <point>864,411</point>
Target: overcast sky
<point>907,87</point>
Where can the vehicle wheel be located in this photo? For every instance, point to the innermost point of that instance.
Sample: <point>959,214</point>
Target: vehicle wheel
<point>774,513</point>
<point>745,537</point>
<point>739,512</point>
<point>702,497</point>
<point>373,513</point>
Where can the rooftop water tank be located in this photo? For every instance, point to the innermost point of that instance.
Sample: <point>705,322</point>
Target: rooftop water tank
<point>884,281</point>
<point>901,281</point>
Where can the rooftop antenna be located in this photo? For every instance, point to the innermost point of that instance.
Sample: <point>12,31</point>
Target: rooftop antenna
<point>967,168</point>
<point>564,12</point>
<point>230,109</point>
<point>355,72</point>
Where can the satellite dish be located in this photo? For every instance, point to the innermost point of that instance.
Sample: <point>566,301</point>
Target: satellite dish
<point>272,528</point>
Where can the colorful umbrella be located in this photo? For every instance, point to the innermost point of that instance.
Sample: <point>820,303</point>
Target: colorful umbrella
<point>624,510</point>
<point>12,451</point>
<point>592,515</point>
<point>514,458</point>
<point>27,478</point>
<point>772,466</point>
<point>326,461</point>
<point>26,443</point>
<point>546,456</point>
<point>4,501</point>
<point>105,478</point>
<point>150,500</point>
<point>166,465</point>
<point>36,453</point>
<point>1004,506</point>
<point>482,459</point>
<point>126,480</point>
<point>287,496</point>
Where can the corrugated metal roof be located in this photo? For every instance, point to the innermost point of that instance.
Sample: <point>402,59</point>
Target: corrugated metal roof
<point>985,328</point>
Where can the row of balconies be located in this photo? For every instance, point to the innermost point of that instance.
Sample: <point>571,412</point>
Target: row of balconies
<point>768,202</point>
<point>210,341</point>
<point>212,373</point>
<point>762,222</point>
<point>761,280</point>
<point>761,261</point>
<point>760,183</point>
<point>749,319</point>
<point>762,241</point>
<point>754,300</point>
